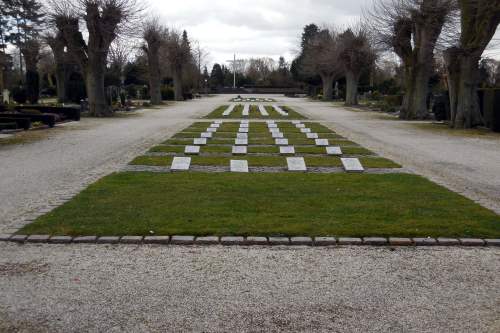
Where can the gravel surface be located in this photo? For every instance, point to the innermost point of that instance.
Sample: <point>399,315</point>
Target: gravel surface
<point>469,165</point>
<point>89,288</point>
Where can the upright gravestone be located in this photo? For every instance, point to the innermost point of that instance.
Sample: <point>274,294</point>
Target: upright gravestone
<point>6,96</point>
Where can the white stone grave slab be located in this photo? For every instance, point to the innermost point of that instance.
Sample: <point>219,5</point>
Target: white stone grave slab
<point>229,110</point>
<point>312,135</point>
<point>287,150</point>
<point>241,142</point>
<point>322,142</point>
<point>207,135</point>
<point>242,136</point>
<point>300,125</point>
<point>352,165</point>
<point>296,122</point>
<point>239,166</point>
<point>200,142</point>
<point>305,130</point>
<point>192,150</point>
<point>212,130</point>
<point>263,111</point>
<point>244,125</point>
<point>270,122</point>
<point>296,164</point>
<point>336,151</point>
<point>214,125</point>
<point>278,135</point>
<point>218,122</point>
<point>246,110</point>
<point>272,125</point>
<point>240,150</point>
<point>244,130</point>
<point>181,164</point>
<point>245,122</point>
<point>280,110</point>
<point>281,142</point>
<point>274,130</point>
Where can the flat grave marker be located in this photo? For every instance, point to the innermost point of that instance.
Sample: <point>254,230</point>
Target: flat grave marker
<point>277,135</point>
<point>244,130</point>
<point>239,166</point>
<point>244,125</point>
<point>287,150</point>
<point>300,126</point>
<point>242,136</point>
<point>246,110</point>
<point>229,110</point>
<point>312,135</point>
<point>192,150</point>
<point>218,122</point>
<point>212,130</point>
<point>200,142</point>
<point>241,142</point>
<point>245,122</point>
<point>215,125</point>
<point>336,151</point>
<point>207,135</point>
<point>274,130</point>
<point>305,130</point>
<point>263,111</point>
<point>272,125</point>
<point>270,122</point>
<point>281,142</point>
<point>352,165</point>
<point>239,150</point>
<point>296,164</point>
<point>322,142</point>
<point>296,122</point>
<point>181,164</point>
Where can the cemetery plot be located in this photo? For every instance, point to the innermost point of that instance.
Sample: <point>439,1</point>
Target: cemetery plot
<point>226,183</point>
<point>254,111</point>
<point>252,100</point>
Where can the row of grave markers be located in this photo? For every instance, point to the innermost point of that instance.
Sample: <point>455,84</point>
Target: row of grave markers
<point>241,143</point>
<point>246,110</point>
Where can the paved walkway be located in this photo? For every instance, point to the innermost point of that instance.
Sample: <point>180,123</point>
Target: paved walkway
<point>126,288</point>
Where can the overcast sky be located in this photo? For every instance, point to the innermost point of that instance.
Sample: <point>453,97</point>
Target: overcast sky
<point>254,28</point>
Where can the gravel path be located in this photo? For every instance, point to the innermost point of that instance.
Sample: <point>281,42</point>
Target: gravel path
<point>216,289</point>
<point>469,165</point>
<point>38,175</point>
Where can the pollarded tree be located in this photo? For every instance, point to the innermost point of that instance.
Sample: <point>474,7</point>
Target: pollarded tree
<point>412,28</point>
<point>154,35</point>
<point>57,44</point>
<point>31,51</point>
<point>479,22</point>
<point>321,57</point>
<point>104,20</point>
<point>356,55</point>
<point>178,53</point>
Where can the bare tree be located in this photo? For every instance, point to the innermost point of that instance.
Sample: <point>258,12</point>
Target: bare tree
<point>154,35</point>
<point>356,55</point>
<point>57,43</point>
<point>412,28</point>
<point>199,55</point>
<point>321,57</point>
<point>479,21</point>
<point>104,20</point>
<point>31,52</point>
<point>178,53</point>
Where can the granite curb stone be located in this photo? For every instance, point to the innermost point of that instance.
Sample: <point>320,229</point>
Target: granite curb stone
<point>209,240</point>
<point>131,239</point>
<point>38,238</point>
<point>182,240</point>
<point>60,239</point>
<point>279,241</point>
<point>397,241</point>
<point>301,241</point>
<point>85,239</point>
<point>448,241</point>
<point>18,238</point>
<point>108,240</point>
<point>156,239</point>
<point>325,241</point>
<point>232,240</point>
<point>472,242</point>
<point>425,241</point>
<point>256,240</point>
<point>374,241</point>
<point>492,242</point>
<point>5,237</point>
<point>350,241</point>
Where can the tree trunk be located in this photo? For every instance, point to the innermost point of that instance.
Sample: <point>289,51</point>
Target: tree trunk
<point>98,107</point>
<point>327,87</point>
<point>154,77</point>
<point>177,74</point>
<point>31,52</point>
<point>61,83</point>
<point>352,81</point>
<point>417,89</point>
<point>468,114</point>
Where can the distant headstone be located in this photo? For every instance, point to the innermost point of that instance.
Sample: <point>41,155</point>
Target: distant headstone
<point>296,164</point>
<point>278,135</point>
<point>312,135</point>
<point>192,150</point>
<point>239,166</point>
<point>287,150</point>
<point>207,135</point>
<point>242,136</point>
<point>305,130</point>
<point>336,151</point>
<point>181,164</point>
<point>200,142</point>
<point>352,165</point>
<point>240,150</point>
<point>241,142</point>
<point>322,142</point>
<point>281,142</point>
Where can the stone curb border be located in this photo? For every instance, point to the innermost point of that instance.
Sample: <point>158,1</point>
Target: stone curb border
<point>242,241</point>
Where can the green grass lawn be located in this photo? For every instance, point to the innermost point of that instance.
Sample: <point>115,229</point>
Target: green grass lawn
<point>268,205</point>
<point>254,113</point>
